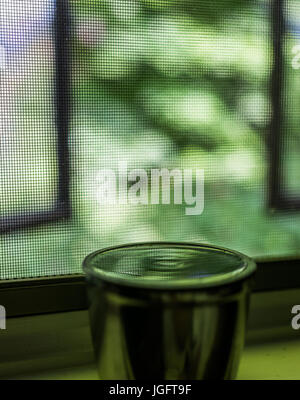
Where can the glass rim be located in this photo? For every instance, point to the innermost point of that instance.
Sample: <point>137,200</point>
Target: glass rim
<point>244,270</point>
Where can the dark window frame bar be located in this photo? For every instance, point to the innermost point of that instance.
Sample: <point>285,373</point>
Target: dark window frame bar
<point>62,207</point>
<point>278,199</point>
<point>69,292</point>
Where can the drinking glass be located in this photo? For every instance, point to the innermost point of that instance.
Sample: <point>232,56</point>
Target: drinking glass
<point>164,310</point>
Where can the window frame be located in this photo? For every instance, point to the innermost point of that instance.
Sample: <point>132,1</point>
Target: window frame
<point>69,292</point>
<point>61,209</point>
<point>278,200</point>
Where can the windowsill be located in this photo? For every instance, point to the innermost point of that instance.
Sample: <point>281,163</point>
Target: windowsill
<point>274,361</point>
<point>58,345</point>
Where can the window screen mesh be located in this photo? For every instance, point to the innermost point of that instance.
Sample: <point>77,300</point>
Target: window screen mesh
<point>175,84</point>
<point>291,115</point>
<point>27,133</point>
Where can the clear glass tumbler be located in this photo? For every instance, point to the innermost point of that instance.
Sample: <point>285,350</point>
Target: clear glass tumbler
<point>168,310</point>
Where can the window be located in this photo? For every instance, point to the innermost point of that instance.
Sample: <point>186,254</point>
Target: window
<point>34,123</point>
<point>284,141</point>
<point>180,85</point>
<point>34,129</point>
